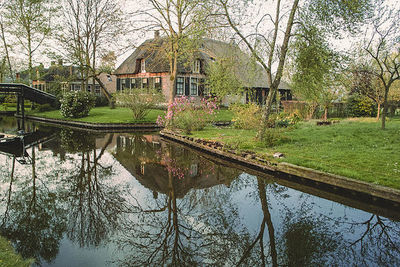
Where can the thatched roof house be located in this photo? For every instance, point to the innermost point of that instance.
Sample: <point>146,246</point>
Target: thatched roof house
<point>148,66</point>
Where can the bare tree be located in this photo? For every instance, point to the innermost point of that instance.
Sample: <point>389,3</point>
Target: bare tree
<point>384,49</point>
<point>270,38</point>
<point>89,29</point>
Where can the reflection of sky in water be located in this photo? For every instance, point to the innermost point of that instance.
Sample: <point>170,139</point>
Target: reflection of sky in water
<point>209,219</point>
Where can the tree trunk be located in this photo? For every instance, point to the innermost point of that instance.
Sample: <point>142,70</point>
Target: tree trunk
<point>385,108</point>
<point>379,111</point>
<point>325,113</point>
<point>3,37</point>
<point>174,73</point>
<point>30,67</point>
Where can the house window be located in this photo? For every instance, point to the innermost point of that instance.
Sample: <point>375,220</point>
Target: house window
<point>196,66</point>
<point>97,90</point>
<point>194,90</point>
<point>89,88</point>
<point>142,65</point>
<point>180,84</point>
<point>157,83</point>
<point>77,87</point>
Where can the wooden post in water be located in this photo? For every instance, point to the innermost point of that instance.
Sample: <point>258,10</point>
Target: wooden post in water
<point>23,108</point>
<point>18,101</point>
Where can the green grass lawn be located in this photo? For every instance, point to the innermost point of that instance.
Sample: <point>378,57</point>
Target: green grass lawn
<point>356,148</point>
<point>119,115</point>
<point>8,257</point>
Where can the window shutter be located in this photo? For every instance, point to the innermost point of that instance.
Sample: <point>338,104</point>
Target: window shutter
<point>160,85</point>
<point>151,83</point>
<point>187,86</point>
<point>137,67</point>
<point>118,84</point>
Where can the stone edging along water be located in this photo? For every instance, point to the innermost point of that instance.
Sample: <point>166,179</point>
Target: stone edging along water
<point>96,126</point>
<point>250,159</point>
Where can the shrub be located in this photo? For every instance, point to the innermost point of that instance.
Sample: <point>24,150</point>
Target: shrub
<point>76,104</point>
<point>44,107</point>
<point>185,115</point>
<point>101,101</point>
<point>140,102</point>
<point>273,137</point>
<point>360,106</point>
<point>246,116</point>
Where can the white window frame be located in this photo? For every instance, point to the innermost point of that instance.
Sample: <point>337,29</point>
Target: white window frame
<point>196,66</point>
<point>183,86</point>
<point>197,86</point>
<point>143,65</point>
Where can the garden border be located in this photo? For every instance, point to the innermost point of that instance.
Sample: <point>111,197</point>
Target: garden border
<point>259,164</point>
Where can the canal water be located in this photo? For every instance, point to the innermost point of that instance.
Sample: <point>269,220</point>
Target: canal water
<point>76,198</point>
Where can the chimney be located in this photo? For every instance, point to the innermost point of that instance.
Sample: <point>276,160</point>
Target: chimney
<point>37,74</point>
<point>18,76</point>
<point>156,34</point>
<point>60,62</point>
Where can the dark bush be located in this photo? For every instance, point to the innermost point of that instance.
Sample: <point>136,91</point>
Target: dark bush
<point>77,104</point>
<point>101,101</point>
<point>44,107</point>
<point>360,106</point>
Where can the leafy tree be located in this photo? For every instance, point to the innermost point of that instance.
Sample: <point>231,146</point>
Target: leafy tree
<point>29,21</point>
<point>139,102</point>
<point>315,69</point>
<point>366,84</point>
<point>221,78</point>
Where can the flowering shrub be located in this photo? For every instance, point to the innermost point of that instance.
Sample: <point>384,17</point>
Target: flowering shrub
<point>76,104</point>
<point>246,116</point>
<point>188,116</point>
<point>139,101</point>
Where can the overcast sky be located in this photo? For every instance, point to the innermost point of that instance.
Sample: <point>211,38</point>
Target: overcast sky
<point>256,11</point>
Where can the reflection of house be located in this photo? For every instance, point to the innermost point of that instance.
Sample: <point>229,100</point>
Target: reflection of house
<point>151,165</point>
<point>148,67</point>
<point>66,78</point>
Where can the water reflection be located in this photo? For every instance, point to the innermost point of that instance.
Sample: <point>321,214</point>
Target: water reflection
<point>137,200</point>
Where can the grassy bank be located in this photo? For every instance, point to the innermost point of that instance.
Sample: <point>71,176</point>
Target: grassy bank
<point>118,115</point>
<point>355,148</point>
<point>8,257</point>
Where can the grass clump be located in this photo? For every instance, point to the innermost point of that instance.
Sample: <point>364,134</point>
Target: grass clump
<point>8,257</point>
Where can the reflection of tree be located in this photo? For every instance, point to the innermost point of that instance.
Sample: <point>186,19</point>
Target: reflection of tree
<point>32,220</point>
<point>378,240</point>
<point>95,204</point>
<point>160,236</point>
<point>307,241</point>
<point>266,222</point>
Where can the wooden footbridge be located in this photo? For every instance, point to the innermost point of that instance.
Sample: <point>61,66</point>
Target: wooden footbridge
<point>26,92</point>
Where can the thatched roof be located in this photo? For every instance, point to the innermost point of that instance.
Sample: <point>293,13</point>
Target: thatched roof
<point>153,51</point>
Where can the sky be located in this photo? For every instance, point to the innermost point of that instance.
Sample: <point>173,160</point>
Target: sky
<point>256,11</point>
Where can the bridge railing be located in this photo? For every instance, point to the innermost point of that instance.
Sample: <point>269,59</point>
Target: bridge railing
<point>26,90</point>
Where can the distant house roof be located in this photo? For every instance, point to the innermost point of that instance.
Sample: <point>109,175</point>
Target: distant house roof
<point>153,51</point>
